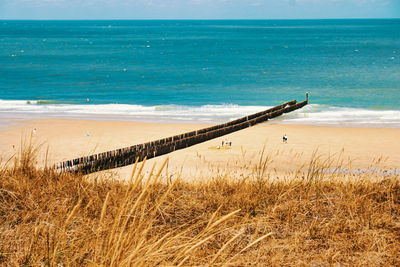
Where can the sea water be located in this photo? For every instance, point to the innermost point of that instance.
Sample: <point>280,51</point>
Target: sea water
<point>202,71</point>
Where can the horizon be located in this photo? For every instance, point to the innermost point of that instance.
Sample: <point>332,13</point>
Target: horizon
<point>196,19</point>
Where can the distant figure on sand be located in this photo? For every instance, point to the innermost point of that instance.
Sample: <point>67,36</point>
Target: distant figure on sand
<point>34,131</point>
<point>284,138</point>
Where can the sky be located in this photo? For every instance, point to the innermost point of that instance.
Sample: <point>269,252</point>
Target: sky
<point>198,9</point>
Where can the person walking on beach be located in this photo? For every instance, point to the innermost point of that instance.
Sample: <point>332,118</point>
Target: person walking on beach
<point>284,139</point>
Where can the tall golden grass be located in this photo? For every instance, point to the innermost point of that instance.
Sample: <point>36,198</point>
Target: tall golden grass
<point>318,219</point>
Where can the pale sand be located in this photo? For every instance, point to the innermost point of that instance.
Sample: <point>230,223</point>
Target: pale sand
<point>67,139</point>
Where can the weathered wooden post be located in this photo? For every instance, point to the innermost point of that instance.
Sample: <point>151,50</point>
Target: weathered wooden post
<point>126,156</point>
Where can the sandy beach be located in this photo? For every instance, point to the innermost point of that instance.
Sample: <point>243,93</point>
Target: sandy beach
<point>354,147</point>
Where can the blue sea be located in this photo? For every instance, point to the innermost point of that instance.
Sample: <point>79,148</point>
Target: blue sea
<point>205,71</point>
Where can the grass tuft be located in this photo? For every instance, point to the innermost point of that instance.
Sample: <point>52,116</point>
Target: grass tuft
<point>47,218</point>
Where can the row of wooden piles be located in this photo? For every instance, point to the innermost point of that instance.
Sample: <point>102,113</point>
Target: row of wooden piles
<point>126,156</point>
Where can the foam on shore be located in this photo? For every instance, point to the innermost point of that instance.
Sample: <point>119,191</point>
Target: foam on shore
<point>313,114</point>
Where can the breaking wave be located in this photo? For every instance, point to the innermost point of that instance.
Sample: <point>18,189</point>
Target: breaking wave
<point>313,114</point>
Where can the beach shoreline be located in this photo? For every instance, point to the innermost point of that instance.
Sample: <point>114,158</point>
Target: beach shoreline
<point>312,114</point>
<point>65,139</point>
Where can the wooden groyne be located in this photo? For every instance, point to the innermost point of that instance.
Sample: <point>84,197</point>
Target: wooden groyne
<point>128,155</point>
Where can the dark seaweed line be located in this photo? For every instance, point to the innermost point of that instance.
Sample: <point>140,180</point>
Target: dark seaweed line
<point>128,155</point>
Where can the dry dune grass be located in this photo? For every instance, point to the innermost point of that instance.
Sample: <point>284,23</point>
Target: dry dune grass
<point>319,219</point>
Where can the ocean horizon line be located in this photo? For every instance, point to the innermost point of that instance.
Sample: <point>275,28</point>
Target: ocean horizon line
<point>205,19</point>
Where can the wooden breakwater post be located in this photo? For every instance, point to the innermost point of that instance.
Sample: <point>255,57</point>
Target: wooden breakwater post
<point>126,156</point>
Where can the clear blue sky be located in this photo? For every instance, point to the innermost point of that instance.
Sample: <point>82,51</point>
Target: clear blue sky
<point>198,9</point>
